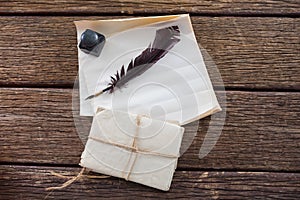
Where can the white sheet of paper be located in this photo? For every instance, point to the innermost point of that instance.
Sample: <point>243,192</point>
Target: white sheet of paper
<point>176,88</point>
<point>158,143</point>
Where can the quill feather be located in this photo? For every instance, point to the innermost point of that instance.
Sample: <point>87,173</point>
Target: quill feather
<point>164,40</point>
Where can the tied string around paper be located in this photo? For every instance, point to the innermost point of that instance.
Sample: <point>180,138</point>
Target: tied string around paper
<point>134,150</point>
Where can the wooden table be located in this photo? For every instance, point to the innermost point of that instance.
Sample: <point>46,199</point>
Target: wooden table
<point>256,47</point>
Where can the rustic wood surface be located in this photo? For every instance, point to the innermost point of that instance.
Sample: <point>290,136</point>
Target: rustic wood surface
<point>266,123</point>
<point>152,6</point>
<point>261,53</point>
<point>23,182</point>
<point>256,47</point>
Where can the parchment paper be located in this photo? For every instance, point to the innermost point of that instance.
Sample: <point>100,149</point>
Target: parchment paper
<point>176,88</point>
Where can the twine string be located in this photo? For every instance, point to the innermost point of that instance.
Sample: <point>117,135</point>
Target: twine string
<point>72,179</point>
<point>134,148</point>
<point>69,182</point>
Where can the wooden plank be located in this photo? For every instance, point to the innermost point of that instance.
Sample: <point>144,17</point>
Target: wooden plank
<point>260,53</point>
<point>261,131</point>
<point>152,7</point>
<point>24,182</point>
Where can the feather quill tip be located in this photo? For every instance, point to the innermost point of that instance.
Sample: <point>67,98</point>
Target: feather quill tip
<point>90,97</point>
<point>94,95</point>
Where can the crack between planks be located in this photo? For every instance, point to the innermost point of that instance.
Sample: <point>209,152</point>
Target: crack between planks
<point>216,88</point>
<point>10,164</point>
<point>139,14</point>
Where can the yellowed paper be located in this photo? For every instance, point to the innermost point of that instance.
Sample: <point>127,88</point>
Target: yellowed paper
<point>177,88</point>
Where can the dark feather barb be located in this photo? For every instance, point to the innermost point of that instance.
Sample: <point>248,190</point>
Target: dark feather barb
<point>164,40</point>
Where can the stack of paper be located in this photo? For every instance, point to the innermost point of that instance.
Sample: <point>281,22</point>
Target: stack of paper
<point>143,151</point>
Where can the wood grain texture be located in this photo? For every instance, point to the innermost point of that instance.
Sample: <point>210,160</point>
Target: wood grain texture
<point>260,53</point>
<point>261,131</point>
<point>152,6</point>
<point>18,182</point>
